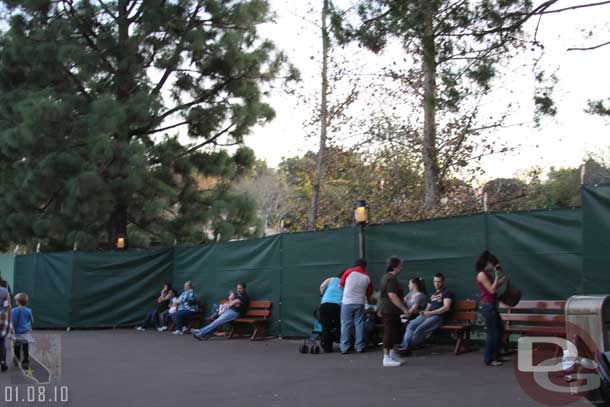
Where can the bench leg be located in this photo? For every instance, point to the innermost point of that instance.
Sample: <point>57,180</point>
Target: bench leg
<point>253,337</point>
<point>458,344</point>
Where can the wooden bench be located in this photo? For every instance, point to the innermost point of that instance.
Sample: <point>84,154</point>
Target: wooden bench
<point>460,322</point>
<point>256,317</point>
<point>533,317</point>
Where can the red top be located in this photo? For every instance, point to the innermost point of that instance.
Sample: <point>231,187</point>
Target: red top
<point>486,296</point>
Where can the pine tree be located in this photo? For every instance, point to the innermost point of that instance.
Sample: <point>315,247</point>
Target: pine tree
<point>455,47</point>
<point>113,114</point>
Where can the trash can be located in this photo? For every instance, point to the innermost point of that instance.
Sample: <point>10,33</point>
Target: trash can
<point>589,313</point>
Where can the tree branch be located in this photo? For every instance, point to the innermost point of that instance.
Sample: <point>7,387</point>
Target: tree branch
<point>589,48</point>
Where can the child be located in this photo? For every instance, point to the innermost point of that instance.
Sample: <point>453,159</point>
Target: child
<point>218,309</point>
<point>22,324</point>
<point>166,315</point>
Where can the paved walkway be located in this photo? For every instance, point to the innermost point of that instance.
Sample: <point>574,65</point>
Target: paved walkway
<point>125,368</point>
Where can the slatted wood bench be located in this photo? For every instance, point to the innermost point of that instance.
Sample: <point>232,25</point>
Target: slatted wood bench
<point>460,322</point>
<point>534,317</point>
<point>256,317</point>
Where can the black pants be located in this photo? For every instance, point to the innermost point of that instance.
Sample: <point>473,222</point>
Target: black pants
<point>151,320</point>
<point>26,351</point>
<point>330,318</point>
<point>2,351</point>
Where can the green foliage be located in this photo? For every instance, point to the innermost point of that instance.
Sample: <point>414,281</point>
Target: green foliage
<point>92,98</point>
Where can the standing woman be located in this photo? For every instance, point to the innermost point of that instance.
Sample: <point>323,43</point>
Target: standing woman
<point>330,310</point>
<point>390,308</point>
<point>488,279</point>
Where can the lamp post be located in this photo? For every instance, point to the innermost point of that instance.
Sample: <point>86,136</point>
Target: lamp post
<point>361,218</point>
<point>120,242</point>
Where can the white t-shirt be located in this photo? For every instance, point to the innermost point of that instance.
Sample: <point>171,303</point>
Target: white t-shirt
<point>356,287</point>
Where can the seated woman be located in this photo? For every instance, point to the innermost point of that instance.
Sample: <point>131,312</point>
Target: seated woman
<point>152,317</point>
<point>187,307</point>
<point>416,300</point>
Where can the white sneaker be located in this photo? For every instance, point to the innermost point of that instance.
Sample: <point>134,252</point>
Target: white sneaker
<point>176,332</point>
<point>389,362</point>
<point>185,329</point>
<point>139,328</point>
<point>162,329</point>
<point>394,355</point>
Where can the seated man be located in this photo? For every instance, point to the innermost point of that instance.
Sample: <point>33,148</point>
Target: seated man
<point>237,308</point>
<point>431,318</point>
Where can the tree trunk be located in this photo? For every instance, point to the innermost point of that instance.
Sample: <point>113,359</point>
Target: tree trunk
<point>117,225</point>
<point>430,159</point>
<point>315,196</point>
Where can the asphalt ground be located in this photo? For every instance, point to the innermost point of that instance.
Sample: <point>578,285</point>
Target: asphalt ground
<point>126,368</point>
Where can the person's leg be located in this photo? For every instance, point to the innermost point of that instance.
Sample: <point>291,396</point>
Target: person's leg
<point>411,327</point>
<point>17,351</point>
<point>498,331</point>
<point>325,315</point>
<point>347,322</point>
<point>2,351</point>
<point>148,320</point>
<point>226,317</point>
<point>359,317</point>
<point>488,317</point>
<point>425,328</point>
<point>391,325</point>
<point>336,323</point>
<point>26,353</point>
<point>163,319</point>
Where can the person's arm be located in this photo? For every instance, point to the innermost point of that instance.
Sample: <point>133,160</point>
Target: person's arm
<point>442,310</point>
<point>369,290</point>
<point>398,302</point>
<point>344,277</point>
<point>325,284</point>
<point>414,310</point>
<point>489,286</point>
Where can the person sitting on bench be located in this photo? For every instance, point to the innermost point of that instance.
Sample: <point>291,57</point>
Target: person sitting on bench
<point>237,308</point>
<point>431,318</point>
<point>187,307</point>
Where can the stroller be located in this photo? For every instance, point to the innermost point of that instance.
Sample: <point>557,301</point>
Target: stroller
<point>313,343</point>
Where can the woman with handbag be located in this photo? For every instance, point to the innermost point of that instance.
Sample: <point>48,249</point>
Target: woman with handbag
<point>489,281</point>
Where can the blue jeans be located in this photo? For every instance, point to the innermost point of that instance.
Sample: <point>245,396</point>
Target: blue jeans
<point>420,328</point>
<point>179,317</point>
<point>352,315</point>
<point>227,316</point>
<point>494,328</point>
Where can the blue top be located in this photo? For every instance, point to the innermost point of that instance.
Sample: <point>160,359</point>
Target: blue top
<point>333,293</point>
<point>187,301</point>
<point>22,320</point>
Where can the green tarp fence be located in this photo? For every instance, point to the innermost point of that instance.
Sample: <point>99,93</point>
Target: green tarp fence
<point>542,250</point>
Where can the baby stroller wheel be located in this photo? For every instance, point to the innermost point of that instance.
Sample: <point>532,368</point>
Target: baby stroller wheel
<point>315,350</point>
<point>304,349</point>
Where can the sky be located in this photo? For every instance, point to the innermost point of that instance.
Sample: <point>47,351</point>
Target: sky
<point>562,141</point>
